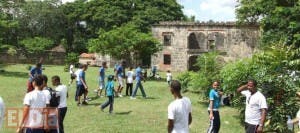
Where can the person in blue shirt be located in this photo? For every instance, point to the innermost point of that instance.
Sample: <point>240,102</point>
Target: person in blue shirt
<point>120,73</point>
<point>138,78</point>
<point>101,79</point>
<point>110,94</point>
<point>82,87</point>
<point>37,70</point>
<point>213,108</point>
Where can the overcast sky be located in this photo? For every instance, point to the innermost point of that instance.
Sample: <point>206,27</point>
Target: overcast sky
<point>204,10</point>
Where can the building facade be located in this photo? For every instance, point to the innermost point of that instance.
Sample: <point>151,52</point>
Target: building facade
<point>183,42</point>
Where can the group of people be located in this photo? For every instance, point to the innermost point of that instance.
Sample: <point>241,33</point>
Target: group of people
<point>43,105</point>
<point>180,117</point>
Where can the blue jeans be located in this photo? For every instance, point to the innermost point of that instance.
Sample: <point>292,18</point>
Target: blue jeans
<point>138,85</point>
<point>109,102</point>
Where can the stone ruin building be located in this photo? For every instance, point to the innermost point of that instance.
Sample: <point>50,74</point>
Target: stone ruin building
<point>183,42</point>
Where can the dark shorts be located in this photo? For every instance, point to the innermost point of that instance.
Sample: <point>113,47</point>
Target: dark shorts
<point>249,128</point>
<point>80,90</point>
<point>72,76</point>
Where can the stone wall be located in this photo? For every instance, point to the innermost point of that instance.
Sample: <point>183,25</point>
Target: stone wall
<point>185,40</point>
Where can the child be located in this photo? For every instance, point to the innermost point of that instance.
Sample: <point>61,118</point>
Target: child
<point>109,93</point>
<point>169,77</point>
<point>129,82</point>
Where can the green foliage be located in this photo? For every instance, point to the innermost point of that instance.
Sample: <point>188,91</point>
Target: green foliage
<point>37,44</point>
<point>72,58</point>
<point>272,71</point>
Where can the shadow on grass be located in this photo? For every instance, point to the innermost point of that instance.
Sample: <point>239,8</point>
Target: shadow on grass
<point>123,113</point>
<point>14,74</point>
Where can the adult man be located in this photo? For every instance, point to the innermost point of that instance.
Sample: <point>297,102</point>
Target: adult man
<point>62,92</point>
<point>214,103</point>
<point>37,70</point>
<point>82,87</point>
<point>179,111</point>
<point>138,78</point>
<point>256,107</point>
<point>120,72</point>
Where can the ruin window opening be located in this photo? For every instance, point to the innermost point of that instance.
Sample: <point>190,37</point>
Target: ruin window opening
<point>167,59</point>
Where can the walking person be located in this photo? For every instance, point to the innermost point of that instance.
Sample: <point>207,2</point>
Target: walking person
<point>34,105</point>
<point>119,74</point>
<point>179,110</point>
<point>82,87</point>
<point>72,74</point>
<point>101,79</point>
<point>62,92</point>
<point>129,82</point>
<point>139,78</point>
<point>213,108</point>
<point>110,95</point>
<point>169,77</point>
<point>256,107</point>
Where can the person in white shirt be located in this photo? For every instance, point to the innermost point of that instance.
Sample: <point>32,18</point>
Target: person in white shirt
<point>72,74</point>
<point>179,111</point>
<point>169,77</point>
<point>129,82</point>
<point>34,105</point>
<point>256,107</point>
<point>2,108</point>
<point>62,92</point>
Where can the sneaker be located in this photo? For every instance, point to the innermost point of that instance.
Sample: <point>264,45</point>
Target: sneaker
<point>87,99</point>
<point>132,98</point>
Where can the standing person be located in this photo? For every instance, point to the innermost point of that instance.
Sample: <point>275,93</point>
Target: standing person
<point>2,109</point>
<point>213,108</point>
<point>37,70</point>
<point>82,87</point>
<point>110,94</point>
<point>62,92</point>
<point>101,79</point>
<point>77,79</point>
<point>138,78</point>
<point>129,82</point>
<point>179,111</point>
<point>256,107</point>
<point>46,89</point>
<point>169,77</point>
<point>153,71</point>
<point>34,105</point>
<point>72,74</point>
<point>120,72</point>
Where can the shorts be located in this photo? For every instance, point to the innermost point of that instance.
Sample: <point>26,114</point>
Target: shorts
<point>80,90</point>
<point>29,86</point>
<point>101,84</point>
<point>120,81</point>
<point>72,76</point>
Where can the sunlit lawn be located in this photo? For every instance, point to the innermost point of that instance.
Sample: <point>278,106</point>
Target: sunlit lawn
<point>133,116</point>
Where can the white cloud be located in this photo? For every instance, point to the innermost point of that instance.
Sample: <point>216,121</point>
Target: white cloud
<point>217,10</point>
<point>189,12</point>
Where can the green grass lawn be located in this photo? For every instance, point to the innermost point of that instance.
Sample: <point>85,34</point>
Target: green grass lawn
<point>133,116</point>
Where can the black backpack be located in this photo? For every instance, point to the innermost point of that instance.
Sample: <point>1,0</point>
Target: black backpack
<point>54,100</point>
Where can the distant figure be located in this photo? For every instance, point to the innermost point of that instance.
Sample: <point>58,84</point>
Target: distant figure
<point>115,67</point>
<point>169,77</point>
<point>153,71</point>
<point>37,70</point>
<point>129,82</point>
<point>179,111</point>
<point>139,78</point>
<point>110,94</point>
<point>2,109</point>
<point>119,74</point>
<point>256,107</point>
<point>101,79</point>
<point>72,74</point>
<point>82,87</point>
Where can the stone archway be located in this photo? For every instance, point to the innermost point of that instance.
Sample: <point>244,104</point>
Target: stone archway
<point>216,41</point>
<point>191,63</point>
<point>196,41</point>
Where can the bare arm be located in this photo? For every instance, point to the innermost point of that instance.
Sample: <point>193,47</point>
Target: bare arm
<point>83,82</point>
<point>170,125</point>
<point>241,88</point>
<point>25,114</point>
<point>262,120</point>
<point>211,115</point>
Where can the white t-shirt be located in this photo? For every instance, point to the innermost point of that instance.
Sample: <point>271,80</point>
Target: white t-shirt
<point>77,74</point>
<point>178,111</point>
<point>36,100</point>
<point>71,69</point>
<point>62,91</point>
<point>169,76</point>
<point>48,95</point>
<point>254,104</point>
<point>130,76</point>
<point>2,108</point>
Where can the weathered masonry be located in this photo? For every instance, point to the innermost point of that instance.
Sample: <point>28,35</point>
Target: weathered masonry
<point>183,42</point>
